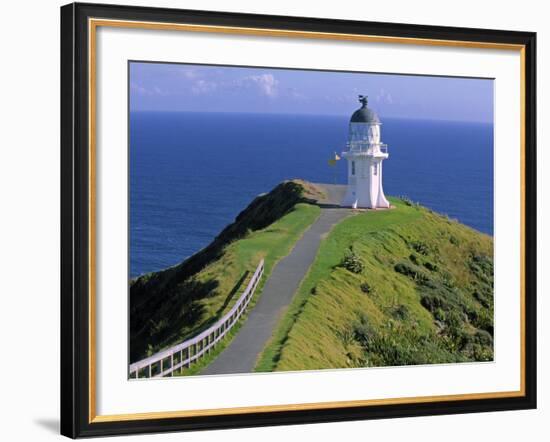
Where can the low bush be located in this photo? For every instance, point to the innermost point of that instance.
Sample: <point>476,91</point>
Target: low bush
<point>484,338</point>
<point>481,298</point>
<point>431,266</point>
<point>394,345</point>
<point>439,314</point>
<point>366,288</point>
<point>411,271</point>
<point>484,321</point>
<point>420,247</point>
<point>432,302</point>
<point>352,262</point>
<point>401,312</point>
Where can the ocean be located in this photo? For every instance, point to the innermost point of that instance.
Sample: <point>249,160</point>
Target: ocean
<point>192,173</point>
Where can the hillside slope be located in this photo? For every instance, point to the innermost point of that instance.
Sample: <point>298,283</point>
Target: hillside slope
<point>394,287</point>
<point>169,306</point>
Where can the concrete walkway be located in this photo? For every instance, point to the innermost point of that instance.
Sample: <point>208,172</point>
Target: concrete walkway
<point>241,354</point>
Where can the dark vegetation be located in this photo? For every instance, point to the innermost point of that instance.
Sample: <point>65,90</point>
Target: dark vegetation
<point>352,262</point>
<point>463,315</point>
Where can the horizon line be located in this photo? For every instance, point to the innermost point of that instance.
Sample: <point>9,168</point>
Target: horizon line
<point>309,114</point>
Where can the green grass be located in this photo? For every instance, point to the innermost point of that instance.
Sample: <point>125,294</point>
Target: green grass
<point>423,294</point>
<point>197,302</point>
<point>242,256</point>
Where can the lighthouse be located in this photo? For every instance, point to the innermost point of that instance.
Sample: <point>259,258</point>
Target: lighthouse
<point>365,154</point>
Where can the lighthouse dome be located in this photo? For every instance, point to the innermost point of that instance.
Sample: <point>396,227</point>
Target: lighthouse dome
<point>364,114</point>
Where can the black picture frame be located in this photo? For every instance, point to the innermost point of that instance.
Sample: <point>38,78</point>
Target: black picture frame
<point>76,418</point>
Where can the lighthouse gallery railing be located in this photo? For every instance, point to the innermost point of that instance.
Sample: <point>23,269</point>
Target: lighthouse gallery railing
<point>192,349</point>
<point>365,146</point>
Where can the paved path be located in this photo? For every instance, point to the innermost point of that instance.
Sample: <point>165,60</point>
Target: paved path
<point>241,354</point>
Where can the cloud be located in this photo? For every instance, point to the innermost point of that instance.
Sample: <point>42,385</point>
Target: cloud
<point>384,97</point>
<point>189,73</point>
<point>203,87</point>
<point>140,90</point>
<point>292,92</point>
<point>267,84</point>
<point>158,91</point>
<point>143,91</point>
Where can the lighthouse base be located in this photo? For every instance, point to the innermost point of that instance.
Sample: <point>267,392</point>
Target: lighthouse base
<point>365,193</point>
<point>354,200</point>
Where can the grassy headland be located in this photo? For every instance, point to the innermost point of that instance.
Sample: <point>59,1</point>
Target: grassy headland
<point>169,306</point>
<point>394,287</point>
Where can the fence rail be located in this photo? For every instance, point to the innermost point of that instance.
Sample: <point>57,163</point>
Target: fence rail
<point>165,362</point>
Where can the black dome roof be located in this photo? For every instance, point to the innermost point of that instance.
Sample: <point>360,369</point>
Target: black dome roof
<point>364,114</point>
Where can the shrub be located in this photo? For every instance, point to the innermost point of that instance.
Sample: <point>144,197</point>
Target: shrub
<point>352,262</point>
<point>347,336</point>
<point>483,338</point>
<point>484,321</point>
<point>366,288</point>
<point>431,266</point>
<point>481,298</point>
<point>453,320</point>
<point>471,314</point>
<point>401,312</point>
<point>482,267</point>
<point>420,247</point>
<point>483,263</point>
<point>483,353</point>
<point>448,280</point>
<point>433,302</point>
<point>439,314</point>
<point>404,269</point>
<point>363,331</point>
<point>411,271</point>
<point>409,202</point>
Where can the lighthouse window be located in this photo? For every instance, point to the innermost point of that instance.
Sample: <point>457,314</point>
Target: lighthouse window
<point>375,171</point>
<point>353,167</point>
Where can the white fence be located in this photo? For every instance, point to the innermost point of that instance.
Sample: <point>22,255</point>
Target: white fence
<point>165,362</point>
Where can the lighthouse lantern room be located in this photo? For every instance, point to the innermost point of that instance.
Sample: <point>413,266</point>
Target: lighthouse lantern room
<point>365,155</point>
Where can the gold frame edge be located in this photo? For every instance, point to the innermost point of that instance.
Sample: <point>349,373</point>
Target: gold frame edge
<point>93,23</point>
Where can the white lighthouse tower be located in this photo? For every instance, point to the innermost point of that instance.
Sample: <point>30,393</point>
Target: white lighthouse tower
<point>365,155</point>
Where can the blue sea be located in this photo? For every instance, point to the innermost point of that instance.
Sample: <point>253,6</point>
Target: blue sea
<point>192,173</point>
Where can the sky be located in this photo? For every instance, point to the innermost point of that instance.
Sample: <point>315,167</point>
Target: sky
<point>199,88</point>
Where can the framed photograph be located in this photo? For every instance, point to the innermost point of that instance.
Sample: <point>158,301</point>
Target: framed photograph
<point>274,220</point>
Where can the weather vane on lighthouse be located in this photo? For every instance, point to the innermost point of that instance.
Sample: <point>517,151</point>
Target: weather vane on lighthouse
<point>365,155</point>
